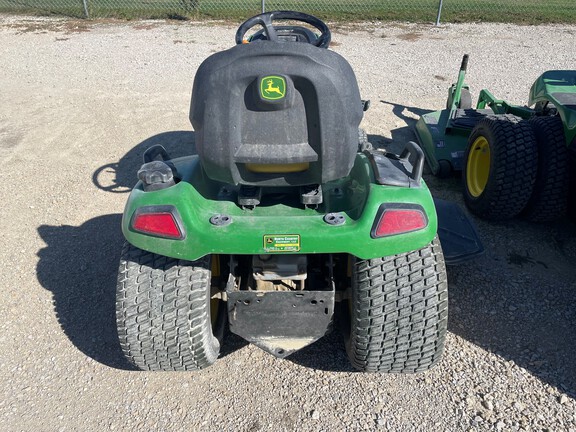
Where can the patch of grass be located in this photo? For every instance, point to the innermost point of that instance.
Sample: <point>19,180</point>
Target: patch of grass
<point>526,12</point>
<point>517,11</point>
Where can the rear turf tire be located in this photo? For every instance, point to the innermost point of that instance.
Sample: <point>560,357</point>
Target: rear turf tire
<point>163,312</point>
<point>500,165</point>
<point>398,312</point>
<point>549,200</point>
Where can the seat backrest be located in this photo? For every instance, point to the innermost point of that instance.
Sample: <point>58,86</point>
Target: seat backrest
<point>276,114</point>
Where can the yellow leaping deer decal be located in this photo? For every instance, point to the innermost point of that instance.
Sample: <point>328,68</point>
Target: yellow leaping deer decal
<point>272,89</point>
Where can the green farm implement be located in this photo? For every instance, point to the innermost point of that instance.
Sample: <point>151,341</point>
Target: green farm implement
<point>515,160</point>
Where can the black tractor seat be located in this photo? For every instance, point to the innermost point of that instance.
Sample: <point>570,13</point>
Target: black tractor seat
<point>276,114</point>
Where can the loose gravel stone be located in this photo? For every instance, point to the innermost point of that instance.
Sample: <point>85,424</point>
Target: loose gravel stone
<point>488,405</point>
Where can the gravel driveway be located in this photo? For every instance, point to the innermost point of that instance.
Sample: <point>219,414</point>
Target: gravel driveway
<point>80,102</point>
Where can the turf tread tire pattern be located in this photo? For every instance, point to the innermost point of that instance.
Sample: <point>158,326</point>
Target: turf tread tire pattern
<point>549,200</point>
<point>399,312</point>
<point>513,167</point>
<point>163,312</point>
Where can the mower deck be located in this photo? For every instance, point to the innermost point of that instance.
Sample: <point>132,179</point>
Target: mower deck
<point>442,137</point>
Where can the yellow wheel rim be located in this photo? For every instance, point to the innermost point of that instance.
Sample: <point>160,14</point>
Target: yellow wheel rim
<point>478,166</point>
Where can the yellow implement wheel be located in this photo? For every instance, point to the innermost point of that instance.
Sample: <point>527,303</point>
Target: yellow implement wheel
<point>478,166</point>
<point>500,164</point>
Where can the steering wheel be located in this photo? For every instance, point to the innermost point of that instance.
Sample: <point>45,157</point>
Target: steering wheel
<point>265,20</point>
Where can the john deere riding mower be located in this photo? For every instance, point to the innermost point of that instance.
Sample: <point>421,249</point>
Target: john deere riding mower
<point>284,220</point>
<point>515,160</point>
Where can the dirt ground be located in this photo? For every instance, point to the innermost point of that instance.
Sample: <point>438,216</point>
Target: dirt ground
<point>80,102</point>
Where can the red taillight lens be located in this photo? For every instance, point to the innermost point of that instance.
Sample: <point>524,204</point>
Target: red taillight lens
<point>159,224</point>
<point>399,221</point>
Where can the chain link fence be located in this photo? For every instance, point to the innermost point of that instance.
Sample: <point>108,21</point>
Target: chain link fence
<point>516,11</point>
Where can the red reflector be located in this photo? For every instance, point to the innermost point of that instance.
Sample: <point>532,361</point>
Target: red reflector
<point>158,224</point>
<point>397,221</point>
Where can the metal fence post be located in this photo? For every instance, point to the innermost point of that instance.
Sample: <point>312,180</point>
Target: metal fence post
<point>85,3</point>
<point>263,6</point>
<point>439,13</point>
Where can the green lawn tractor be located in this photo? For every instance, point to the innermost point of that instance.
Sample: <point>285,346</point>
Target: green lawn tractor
<point>515,160</point>
<point>285,220</point>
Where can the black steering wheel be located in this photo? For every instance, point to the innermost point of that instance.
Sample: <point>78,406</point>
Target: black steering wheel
<point>265,20</point>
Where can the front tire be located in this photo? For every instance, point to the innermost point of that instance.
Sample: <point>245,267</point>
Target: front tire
<point>398,312</point>
<point>163,312</point>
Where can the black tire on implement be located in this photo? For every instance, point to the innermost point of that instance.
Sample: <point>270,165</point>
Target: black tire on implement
<point>549,200</point>
<point>398,312</point>
<point>572,183</point>
<point>163,312</point>
<point>444,169</point>
<point>465,100</point>
<point>513,162</point>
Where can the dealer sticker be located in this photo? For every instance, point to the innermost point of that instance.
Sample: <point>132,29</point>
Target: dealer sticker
<point>282,242</point>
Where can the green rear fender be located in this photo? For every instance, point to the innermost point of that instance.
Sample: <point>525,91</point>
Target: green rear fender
<point>197,198</point>
<point>559,88</point>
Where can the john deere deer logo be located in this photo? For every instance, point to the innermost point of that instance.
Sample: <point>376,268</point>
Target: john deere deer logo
<point>273,87</point>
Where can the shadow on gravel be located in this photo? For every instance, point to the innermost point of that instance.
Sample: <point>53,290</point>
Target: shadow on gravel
<point>79,266</point>
<point>520,304</point>
<point>327,354</point>
<point>120,177</point>
<point>231,343</point>
<point>404,134</point>
<point>398,110</point>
